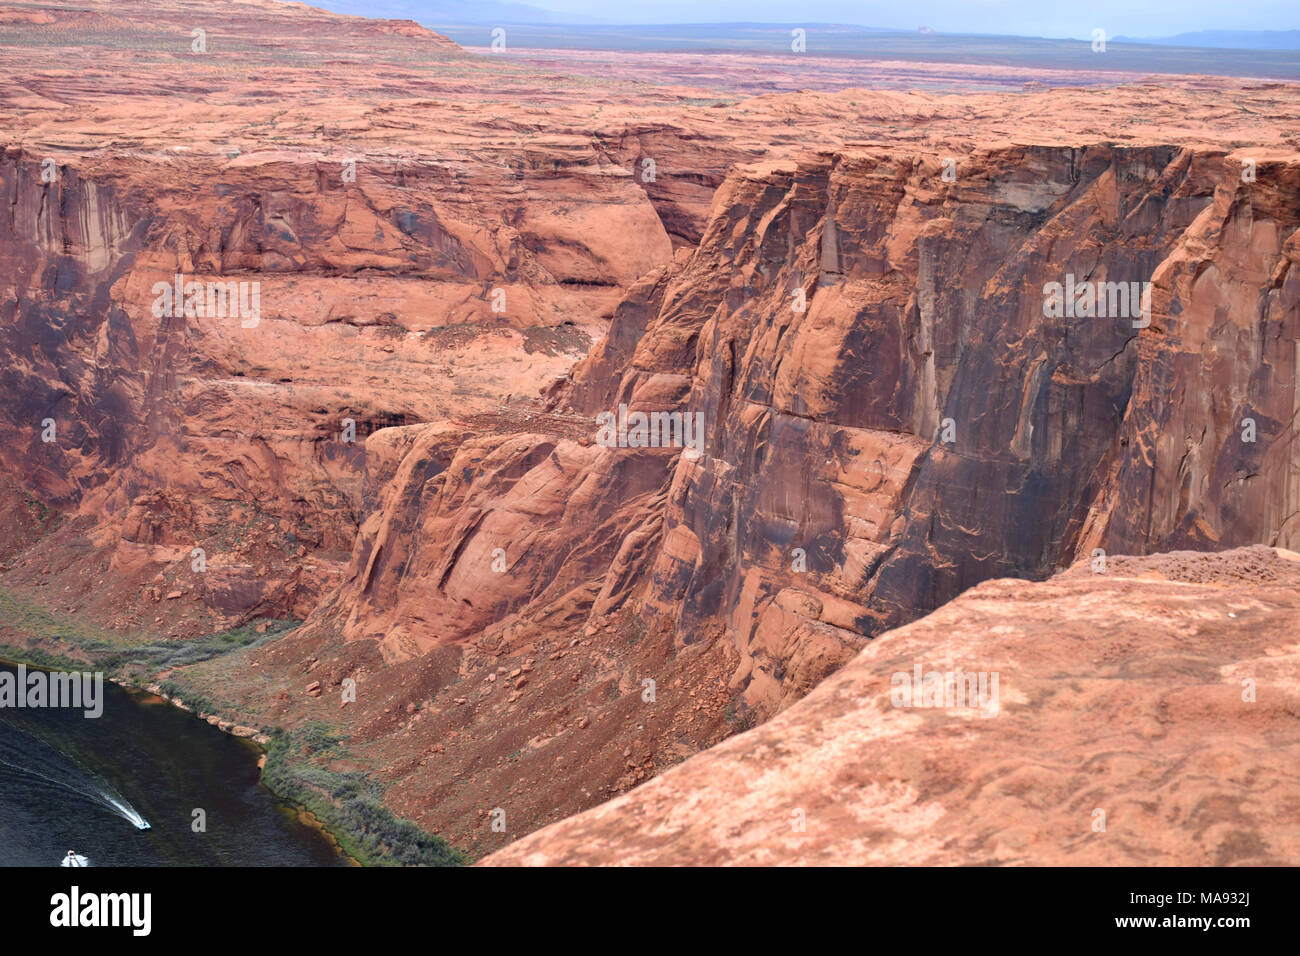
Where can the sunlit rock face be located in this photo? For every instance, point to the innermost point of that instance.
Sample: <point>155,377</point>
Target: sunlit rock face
<point>898,409</point>
<point>1136,716</point>
<point>433,274</point>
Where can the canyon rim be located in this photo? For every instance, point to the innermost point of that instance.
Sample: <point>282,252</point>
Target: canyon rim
<point>731,448</point>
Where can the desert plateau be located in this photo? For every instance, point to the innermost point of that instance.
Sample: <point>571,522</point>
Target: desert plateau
<point>688,445</point>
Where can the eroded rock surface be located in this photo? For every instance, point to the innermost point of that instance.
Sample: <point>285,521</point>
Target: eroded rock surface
<point>894,418</point>
<point>463,257</point>
<point>1145,716</point>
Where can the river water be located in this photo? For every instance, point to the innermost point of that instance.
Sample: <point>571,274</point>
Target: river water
<point>68,782</point>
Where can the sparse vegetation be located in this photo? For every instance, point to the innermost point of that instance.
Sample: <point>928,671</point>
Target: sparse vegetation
<point>195,702</point>
<point>159,656</point>
<point>30,618</point>
<point>37,657</point>
<point>349,805</point>
<point>740,716</point>
<point>116,655</point>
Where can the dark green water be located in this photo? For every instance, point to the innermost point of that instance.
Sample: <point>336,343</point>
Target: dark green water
<point>60,773</point>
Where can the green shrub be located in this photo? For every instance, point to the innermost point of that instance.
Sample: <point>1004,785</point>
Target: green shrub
<point>349,805</point>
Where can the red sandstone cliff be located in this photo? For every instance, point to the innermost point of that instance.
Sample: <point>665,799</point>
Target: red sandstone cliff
<point>925,306</point>
<point>500,586</point>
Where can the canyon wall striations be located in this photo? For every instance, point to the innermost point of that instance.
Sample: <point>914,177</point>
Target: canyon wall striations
<point>460,264</point>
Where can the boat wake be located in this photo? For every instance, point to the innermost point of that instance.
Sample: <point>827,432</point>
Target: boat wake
<point>22,753</point>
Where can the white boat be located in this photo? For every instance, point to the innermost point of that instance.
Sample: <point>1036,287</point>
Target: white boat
<point>74,859</point>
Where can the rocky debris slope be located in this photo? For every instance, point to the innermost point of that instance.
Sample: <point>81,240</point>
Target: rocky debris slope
<point>1145,716</point>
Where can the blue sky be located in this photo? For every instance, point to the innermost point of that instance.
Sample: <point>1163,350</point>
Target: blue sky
<point>1049,18</point>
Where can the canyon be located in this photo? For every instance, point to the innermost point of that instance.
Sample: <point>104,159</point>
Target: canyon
<point>463,260</point>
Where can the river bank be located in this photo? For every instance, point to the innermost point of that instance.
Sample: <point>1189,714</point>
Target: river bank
<point>141,784</point>
<point>346,807</point>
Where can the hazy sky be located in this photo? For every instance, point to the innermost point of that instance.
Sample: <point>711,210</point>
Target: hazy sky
<point>1048,18</point>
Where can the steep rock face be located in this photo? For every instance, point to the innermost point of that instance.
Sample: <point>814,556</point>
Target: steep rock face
<point>679,169</point>
<point>924,422</point>
<point>1210,456</point>
<point>399,273</point>
<point>61,334</point>
<point>475,535</point>
<point>924,301</point>
<point>826,507</point>
<point>391,284</point>
<point>1143,716</point>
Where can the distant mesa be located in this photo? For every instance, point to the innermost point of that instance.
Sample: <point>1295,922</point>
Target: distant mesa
<point>1224,39</point>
